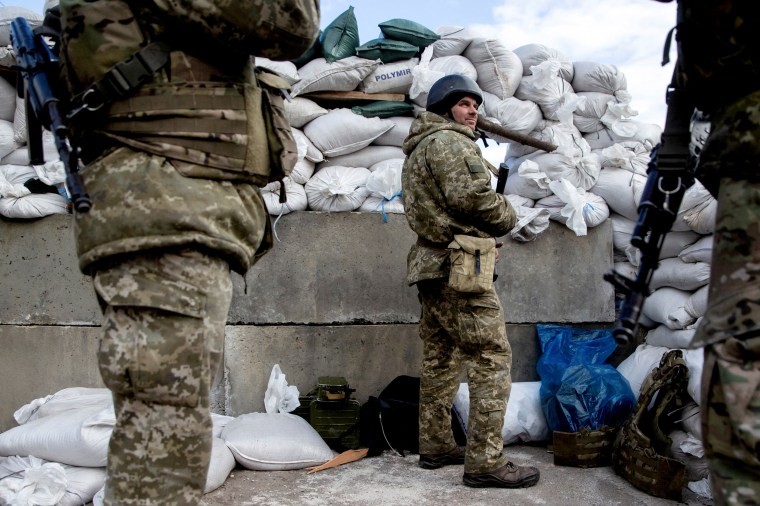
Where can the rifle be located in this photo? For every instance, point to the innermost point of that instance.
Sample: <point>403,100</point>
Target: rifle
<point>669,174</point>
<point>513,135</point>
<point>35,60</point>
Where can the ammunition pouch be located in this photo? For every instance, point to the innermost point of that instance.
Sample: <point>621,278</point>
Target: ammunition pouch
<point>586,448</point>
<point>640,448</point>
<point>473,260</point>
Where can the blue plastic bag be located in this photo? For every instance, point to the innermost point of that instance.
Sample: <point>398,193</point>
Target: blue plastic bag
<point>578,388</point>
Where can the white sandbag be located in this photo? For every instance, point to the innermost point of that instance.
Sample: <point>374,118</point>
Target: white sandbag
<point>423,78</point>
<point>218,423</point>
<point>524,420</point>
<point>286,69</point>
<point>33,206</point>
<point>275,442</point>
<point>535,54</point>
<point>698,209</point>
<point>337,189</point>
<point>306,148</point>
<point>676,273</point>
<point>383,205</point>
<point>20,155</point>
<point>454,40</point>
<point>8,98</point>
<point>691,422</point>
<point>620,188</point>
<point>8,14</point>
<point>649,134</point>
<point>700,251</point>
<point>554,96</point>
<point>63,401</point>
<point>565,136</point>
<point>637,366</point>
<point>340,131</point>
<point>221,465</point>
<point>630,155</point>
<point>302,171</point>
<point>7,141</point>
<point>499,69</point>
<point>522,116</point>
<point>385,178</point>
<point>672,245</point>
<point>449,65</point>
<point>295,197</point>
<point>580,171</point>
<point>599,77</point>
<point>78,437</point>
<point>530,221</point>
<point>596,111</point>
<point>688,450</point>
<point>365,157</point>
<point>341,75</point>
<point>696,305</point>
<point>12,179</point>
<point>396,135</point>
<point>662,335</point>
<point>31,480</point>
<point>300,110</point>
<point>667,305</point>
<point>527,180</point>
<point>394,77</point>
<point>574,207</point>
<point>700,130</point>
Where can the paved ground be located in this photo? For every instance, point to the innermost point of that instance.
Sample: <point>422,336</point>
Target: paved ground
<point>395,481</point>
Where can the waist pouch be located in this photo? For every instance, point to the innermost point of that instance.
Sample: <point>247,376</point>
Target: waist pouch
<point>473,260</point>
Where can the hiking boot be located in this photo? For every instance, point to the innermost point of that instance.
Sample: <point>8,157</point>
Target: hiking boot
<point>507,476</point>
<point>436,460</point>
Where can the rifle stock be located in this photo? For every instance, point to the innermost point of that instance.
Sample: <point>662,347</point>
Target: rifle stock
<point>34,59</point>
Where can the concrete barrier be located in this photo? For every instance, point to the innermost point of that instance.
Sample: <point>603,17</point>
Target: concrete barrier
<point>331,299</point>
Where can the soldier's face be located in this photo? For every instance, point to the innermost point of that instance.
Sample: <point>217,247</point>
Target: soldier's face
<point>465,112</point>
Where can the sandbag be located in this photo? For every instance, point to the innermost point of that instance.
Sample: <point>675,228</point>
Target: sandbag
<point>300,110</point>
<point>700,251</point>
<point>296,197</point>
<point>340,131</point>
<point>337,189</point>
<point>275,442</point>
<point>341,75</point>
<point>365,157</point>
<point>393,77</point>
<point>221,465</point>
<point>499,69</point>
<point>532,55</point>
<point>341,37</point>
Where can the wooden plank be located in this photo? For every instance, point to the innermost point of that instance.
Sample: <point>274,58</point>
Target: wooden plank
<point>349,96</point>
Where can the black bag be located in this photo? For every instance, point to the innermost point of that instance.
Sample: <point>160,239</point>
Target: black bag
<point>391,421</point>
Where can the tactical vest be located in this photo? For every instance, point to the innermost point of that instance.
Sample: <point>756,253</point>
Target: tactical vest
<point>130,86</point>
<point>640,448</point>
<point>718,50</point>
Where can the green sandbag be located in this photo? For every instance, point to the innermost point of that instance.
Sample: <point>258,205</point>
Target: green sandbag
<point>387,50</point>
<point>384,109</point>
<point>409,31</point>
<point>314,52</point>
<point>341,37</point>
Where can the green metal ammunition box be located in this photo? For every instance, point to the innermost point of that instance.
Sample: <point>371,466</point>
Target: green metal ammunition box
<point>337,423</point>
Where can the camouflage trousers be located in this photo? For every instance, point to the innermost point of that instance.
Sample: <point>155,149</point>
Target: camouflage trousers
<point>464,330</point>
<point>163,332</point>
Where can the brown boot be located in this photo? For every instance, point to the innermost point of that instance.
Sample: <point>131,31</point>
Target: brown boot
<point>434,461</point>
<point>507,476</point>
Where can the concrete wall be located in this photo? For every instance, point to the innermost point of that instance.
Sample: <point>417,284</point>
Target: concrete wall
<point>330,300</point>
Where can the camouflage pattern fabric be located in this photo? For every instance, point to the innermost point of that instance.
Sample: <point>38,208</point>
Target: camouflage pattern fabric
<point>164,318</point>
<point>459,330</point>
<point>447,190</point>
<point>731,326</point>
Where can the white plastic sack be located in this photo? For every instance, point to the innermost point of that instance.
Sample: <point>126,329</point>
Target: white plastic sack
<point>528,180</point>
<point>556,97</point>
<point>667,305</point>
<point>696,305</point>
<point>449,65</point>
<point>666,337</point>
<point>698,209</point>
<point>302,171</point>
<point>33,481</point>
<point>522,116</point>
<point>306,148</point>
<point>286,69</point>
<point>365,157</point>
<point>676,273</point>
<point>221,465</point>
<point>631,156</point>
<point>574,207</point>
<point>275,442</point>
<point>599,77</point>
<point>535,54</point>
<point>700,251</point>
<point>649,134</point>
<point>499,69</point>
<point>620,188</point>
<point>394,77</point>
<point>596,111</point>
<point>454,40</point>
<point>340,131</point>
<point>524,419</point>
<point>690,451</point>
<point>530,221</point>
<point>337,189</point>
<point>7,100</point>
<point>340,75</point>
<point>296,199</point>
<point>7,138</point>
<point>300,110</point>
<point>77,435</point>
<point>423,78</point>
<point>279,396</point>
<point>396,135</point>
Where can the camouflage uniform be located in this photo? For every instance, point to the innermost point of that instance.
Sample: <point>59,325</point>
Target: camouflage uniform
<point>447,190</point>
<point>175,207</point>
<point>719,54</point>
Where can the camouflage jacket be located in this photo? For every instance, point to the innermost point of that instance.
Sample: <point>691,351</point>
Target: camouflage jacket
<point>446,187</point>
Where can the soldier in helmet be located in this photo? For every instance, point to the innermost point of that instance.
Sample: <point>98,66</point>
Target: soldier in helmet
<point>171,125</point>
<point>447,192</point>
